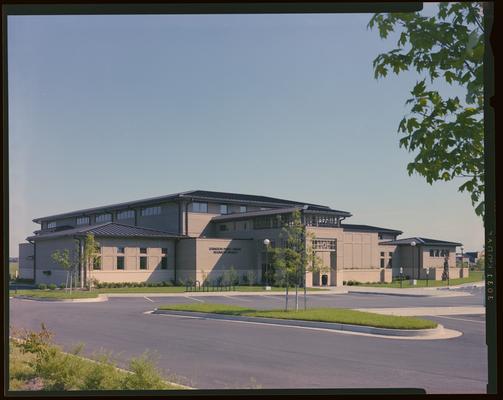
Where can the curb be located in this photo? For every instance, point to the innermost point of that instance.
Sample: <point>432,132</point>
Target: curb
<point>391,294</point>
<point>216,294</point>
<point>100,298</point>
<point>410,333</point>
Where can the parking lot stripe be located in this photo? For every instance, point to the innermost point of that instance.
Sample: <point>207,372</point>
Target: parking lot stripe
<point>235,298</point>
<point>146,298</point>
<point>192,298</point>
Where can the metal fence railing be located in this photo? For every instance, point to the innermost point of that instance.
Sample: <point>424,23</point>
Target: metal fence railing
<point>208,287</point>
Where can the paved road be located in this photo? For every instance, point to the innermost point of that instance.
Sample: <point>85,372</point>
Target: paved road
<point>223,354</point>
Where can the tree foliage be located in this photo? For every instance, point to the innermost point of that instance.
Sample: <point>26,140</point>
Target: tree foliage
<point>447,133</point>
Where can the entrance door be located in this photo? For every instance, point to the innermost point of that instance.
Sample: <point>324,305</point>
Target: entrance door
<point>324,279</point>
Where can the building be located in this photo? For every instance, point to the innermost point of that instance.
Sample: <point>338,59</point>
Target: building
<point>197,235</point>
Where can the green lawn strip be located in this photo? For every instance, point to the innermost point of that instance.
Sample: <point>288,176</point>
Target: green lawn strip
<point>54,294</point>
<point>66,371</point>
<point>181,289</point>
<point>475,276</point>
<point>336,315</point>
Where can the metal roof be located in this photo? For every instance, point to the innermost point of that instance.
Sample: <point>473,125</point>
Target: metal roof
<point>109,229</point>
<point>370,228</point>
<point>421,241</point>
<point>192,194</point>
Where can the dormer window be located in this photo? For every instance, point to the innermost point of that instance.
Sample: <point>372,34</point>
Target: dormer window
<point>224,209</point>
<point>200,207</point>
<point>103,218</point>
<point>82,220</point>
<point>51,224</point>
<point>242,209</point>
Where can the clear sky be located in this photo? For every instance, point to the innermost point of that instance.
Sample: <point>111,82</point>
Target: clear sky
<point>105,109</point>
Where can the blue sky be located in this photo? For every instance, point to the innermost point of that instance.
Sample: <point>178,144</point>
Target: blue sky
<point>104,109</point>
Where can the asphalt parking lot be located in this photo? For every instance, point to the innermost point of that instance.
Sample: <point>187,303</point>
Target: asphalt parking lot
<point>209,354</point>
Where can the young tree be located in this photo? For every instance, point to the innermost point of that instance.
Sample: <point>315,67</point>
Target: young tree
<point>69,262</point>
<point>447,132</point>
<point>91,255</point>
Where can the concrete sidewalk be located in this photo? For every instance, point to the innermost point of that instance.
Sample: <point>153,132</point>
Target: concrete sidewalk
<point>427,311</point>
<point>420,292</point>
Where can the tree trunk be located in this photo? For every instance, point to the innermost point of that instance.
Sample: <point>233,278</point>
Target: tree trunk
<point>67,276</point>
<point>286,297</point>
<point>296,296</point>
<point>305,293</point>
<point>71,277</point>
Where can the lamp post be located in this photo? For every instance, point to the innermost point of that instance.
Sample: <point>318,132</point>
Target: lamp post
<point>462,258</point>
<point>267,242</point>
<point>413,244</point>
<point>427,275</point>
<point>401,276</point>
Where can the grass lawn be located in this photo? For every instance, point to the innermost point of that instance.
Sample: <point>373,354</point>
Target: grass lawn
<point>474,276</point>
<point>339,315</point>
<point>64,371</point>
<point>54,294</point>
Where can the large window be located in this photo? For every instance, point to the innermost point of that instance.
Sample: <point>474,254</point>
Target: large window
<point>127,214</point>
<point>149,211</point>
<point>120,250</point>
<point>242,209</point>
<point>103,218</point>
<point>143,262</point>
<point>200,207</point>
<point>83,221</point>
<point>120,262</point>
<point>164,263</point>
<point>224,209</point>
<point>51,225</point>
<point>143,250</point>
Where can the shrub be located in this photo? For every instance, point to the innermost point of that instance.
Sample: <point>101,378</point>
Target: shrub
<point>251,277</point>
<point>62,286</point>
<point>344,282</point>
<point>144,376</point>
<point>51,286</point>
<point>42,286</point>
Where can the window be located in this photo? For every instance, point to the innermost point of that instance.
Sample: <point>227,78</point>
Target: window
<point>442,253</point>
<point>382,253</point>
<point>143,262</point>
<point>244,226</point>
<point>390,264</point>
<point>222,227</point>
<point>51,225</point>
<point>224,209</point>
<point>104,218</point>
<point>164,263</point>
<point>379,236</point>
<point>149,211</point>
<point>200,207</point>
<point>447,253</point>
<point>263,208</point>
<point>125,214</point>
<point>143,250</point>
<point>83,221</point>
<point>120,262</point>
<point>390,254</point>
<point>432,253</point>
<point>97,263</point>
<point>242,208</point>
<point>382,262</point>
<point>437,253</point>
<point>120,250</point>
<point>164,250</point>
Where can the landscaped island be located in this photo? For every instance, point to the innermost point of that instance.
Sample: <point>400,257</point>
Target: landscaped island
<point>335,315</point>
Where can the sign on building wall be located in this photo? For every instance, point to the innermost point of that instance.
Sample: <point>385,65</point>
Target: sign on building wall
<point>225,250</point>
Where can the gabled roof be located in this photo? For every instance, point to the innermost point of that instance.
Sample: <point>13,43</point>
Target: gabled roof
<point>420,241</point>
<point>109,229</point>
<point>204,195</point>
<point>369,228</point>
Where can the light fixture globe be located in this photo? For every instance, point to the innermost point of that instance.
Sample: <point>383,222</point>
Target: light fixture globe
<point>267,242</point>
<point>413,243</point>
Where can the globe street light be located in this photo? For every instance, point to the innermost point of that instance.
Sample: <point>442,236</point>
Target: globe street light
<point>413,244</point>
<point>401,276</point>
<point>267,242</point>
